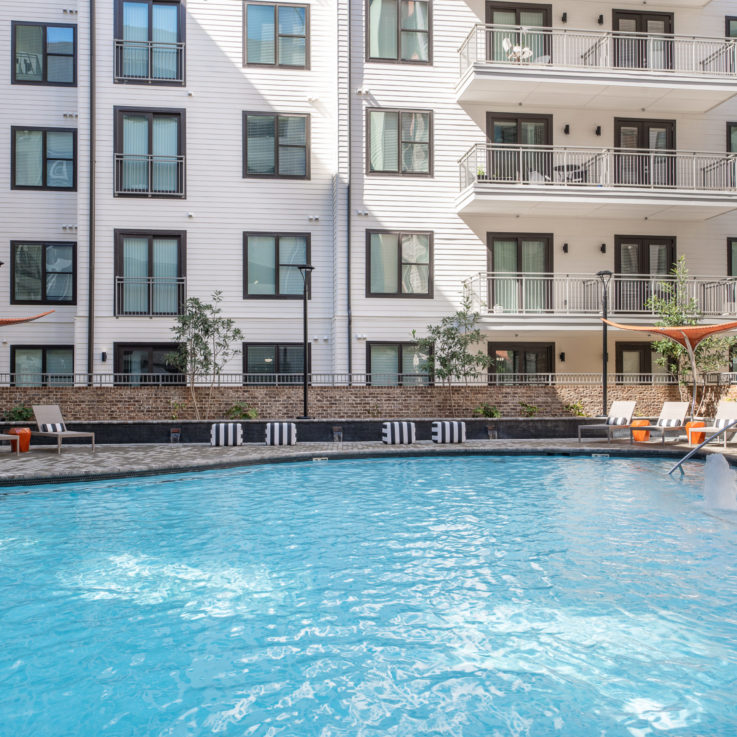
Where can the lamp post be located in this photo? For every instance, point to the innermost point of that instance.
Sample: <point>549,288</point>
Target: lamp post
<point>306,271</point>
<point>606,277</point>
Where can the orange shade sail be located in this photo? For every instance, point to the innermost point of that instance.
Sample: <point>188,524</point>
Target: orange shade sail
<point>17,320</point>
<point>685,335</point>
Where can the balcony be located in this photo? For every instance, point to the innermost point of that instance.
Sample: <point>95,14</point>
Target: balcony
<point>149,296</point>
<point>565,181</point>
<point>141,175</point>
<point>605,70</point>
<point>505,295</point>
<point>149,62</point>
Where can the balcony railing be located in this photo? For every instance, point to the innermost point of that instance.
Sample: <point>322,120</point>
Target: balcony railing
<point>149,61</point>
<point>149,296</point>
<point>142,175</point>
<point>577,167</point>
<point>507,293</point>
<point>521,46</point>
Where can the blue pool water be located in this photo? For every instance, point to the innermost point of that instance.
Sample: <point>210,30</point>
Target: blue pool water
<point>450,596</point>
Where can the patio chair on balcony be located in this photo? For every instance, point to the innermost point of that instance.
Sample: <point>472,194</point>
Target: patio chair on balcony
<point>672,420</point>
<point>619,418</point>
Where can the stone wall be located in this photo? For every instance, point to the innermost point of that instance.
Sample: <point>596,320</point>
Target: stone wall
<point>175,403</point>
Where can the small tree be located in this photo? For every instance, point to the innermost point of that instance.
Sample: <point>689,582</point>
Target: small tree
<point>206,342</point>
<point>447,348</point>
<point>675,307</point>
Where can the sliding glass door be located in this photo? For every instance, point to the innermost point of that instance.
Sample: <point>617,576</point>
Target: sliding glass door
<point>644,155</point>
<point>642,258</point>
<point>523,155</point>
<point>520,33</point>
<point>641,40</point>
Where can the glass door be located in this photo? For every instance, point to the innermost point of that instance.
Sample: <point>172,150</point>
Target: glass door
<point>522,265</point>
<point>523,156</point>
<point>641,40</point>
<point>646,166</point>
<point>520,362</point>
<point>523,40</point>
<point>648,261</point>
<point>150,35</point>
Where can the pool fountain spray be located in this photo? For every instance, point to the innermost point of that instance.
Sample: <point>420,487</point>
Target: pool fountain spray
<point>720,484</point>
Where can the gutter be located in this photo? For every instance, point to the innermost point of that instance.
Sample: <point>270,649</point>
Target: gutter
<point>349,199</point>
<point>91,255</point>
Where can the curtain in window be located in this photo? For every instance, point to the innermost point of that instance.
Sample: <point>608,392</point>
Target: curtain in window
<point>291,359</point>
<point>384,263</point>
<point>261,359</point>
<point>291,251</point>
<point>135,149</point>
<point>292,146</point>
<point>533,39</point>
<point>384,365</point>
<point>630,258</point>
<point>135,274</point>
<point>28,366</point>
<point>732,143</point>
<point>412,363</point>
<point>496,38</point>
<point>164,35</point>
<point>59,273</point>
<point>292,36</point>
<point>415,27</point>
<point>416,143</point>
<point>534,261</point>
<point>60,54</point>
<point>261,34</point>
<point>415,264</point>
<point>135,361</point>
<point>135,33</point>
<point>165,270</point>
<point>59,159</point>
<point>383,141</point>
<point>29,158</point>
<point>29,53</point>
<point>60,365</point>
<point>659,258</point>
<point>165,145</point>
<point>27,269</point>
<point>261,264</point>
<point>383,22</point>
<point>260,157</point>
<point>505,288</point>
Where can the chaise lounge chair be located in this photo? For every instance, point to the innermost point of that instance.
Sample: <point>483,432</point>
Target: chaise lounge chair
<point>12,438</point>
<point>619,418</point>
<point>51,425</point>
<point>726,415</point>
<point>672,419</point>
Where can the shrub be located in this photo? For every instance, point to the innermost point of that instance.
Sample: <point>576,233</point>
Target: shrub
<point>528,410</point>
<point>576,409</point>
<point>242,412</point>
<point>487,410</point>
<point>19,413</point>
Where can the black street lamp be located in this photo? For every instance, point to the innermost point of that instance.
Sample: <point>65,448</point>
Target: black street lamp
<point>606,277</point>
<point>306,271</point>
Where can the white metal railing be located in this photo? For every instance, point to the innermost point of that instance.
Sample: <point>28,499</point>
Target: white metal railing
<point>510,293</point>
<point>522,46</point>
<point>149,296</point>
<point>571,166</point>
<point>149,61</point>
<point>149,175</point>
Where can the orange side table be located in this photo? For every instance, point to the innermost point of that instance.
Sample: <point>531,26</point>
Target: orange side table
<point>694,438</point>
<point>640,436</point>
<point>24,438</point>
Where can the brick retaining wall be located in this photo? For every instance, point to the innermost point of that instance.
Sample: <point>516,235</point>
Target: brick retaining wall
<point>159,403</point>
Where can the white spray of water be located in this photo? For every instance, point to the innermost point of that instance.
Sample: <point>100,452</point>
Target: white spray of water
<point>720,485</point>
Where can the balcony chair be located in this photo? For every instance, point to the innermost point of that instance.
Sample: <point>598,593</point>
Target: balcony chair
<point>672,419</point>
<point>619,418</point>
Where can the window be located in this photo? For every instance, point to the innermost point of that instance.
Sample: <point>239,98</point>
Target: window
<point>43,273</point>
<point>44,53</point>
<point>396,364</point>
<point>276,145</point>
<point>270,363</point>
<point>44,158</point>
<point>399,30</point>
<point>732,138</point>
<point>732,257</point>
<point>399,142</point>
<point>731,26</point>
<point>635,362</point>
<point>138,364</point>
<point>515,363</point>
<point>276,35</point>
<point>149,273</point>
<point>149,46</point>
<point>33,365</point>
<point>149,153</point>
<point>270,265</point>
<point>399,264</point>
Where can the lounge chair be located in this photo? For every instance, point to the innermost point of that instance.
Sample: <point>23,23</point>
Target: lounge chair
<point>726,415</point>
<point>672,419</point>
<point>619,418</point>
<point>51,425</point>
<point>11,438</point>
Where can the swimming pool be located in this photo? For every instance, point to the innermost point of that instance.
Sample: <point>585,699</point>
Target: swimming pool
<point>445,596</point>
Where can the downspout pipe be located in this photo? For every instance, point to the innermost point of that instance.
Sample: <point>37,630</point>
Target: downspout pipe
<point>349,198</point>
<point>91,254</point>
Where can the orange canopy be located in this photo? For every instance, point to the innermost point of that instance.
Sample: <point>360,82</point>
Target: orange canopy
<point>687,335</point>
<point>16,320</point>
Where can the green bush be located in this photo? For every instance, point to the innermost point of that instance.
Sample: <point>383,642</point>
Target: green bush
<point>19,413</point>
<point>242,412</point>
<point>487,410</point>
<point>576,409</point>
<point>528,410</point>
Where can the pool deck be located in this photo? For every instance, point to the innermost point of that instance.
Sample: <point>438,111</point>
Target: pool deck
<point>77,462</point>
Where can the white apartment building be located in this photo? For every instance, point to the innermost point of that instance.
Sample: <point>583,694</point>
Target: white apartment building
<point>412,151</point>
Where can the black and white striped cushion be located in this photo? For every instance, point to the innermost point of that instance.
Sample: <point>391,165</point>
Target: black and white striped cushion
<point>616,421</point>
<point>398,433</point>
<point>53,427</point>
<point>281,433</point>
<point>672,422</point>
<point>723,423</point>
<point>448,432</point>
<point>226,433</point>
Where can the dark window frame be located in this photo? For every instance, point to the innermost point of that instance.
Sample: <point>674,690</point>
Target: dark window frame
<point>727,20</point>
<point>401,344</point>
<point>44,187</point>
<point>430,143</point>
<point>518,7</point>
<point>730,126</point>
<point>400,294</point>
<point>646,358</point>
<point>289,344</point>
<point>414,62</point>
<point>308,146</point>
<point>278,236</point>
<point>731,241</point>
<point>118,141</point>
<point>277,36</point>
<point>43,348</point>
<point>519,118</point>
<point>493,346</point>
<point>620,239</point>
<point>44,82</point>
<point>155,378</point>
<point>44,300</point>
<point>181,38</point>
<point>519,237</point>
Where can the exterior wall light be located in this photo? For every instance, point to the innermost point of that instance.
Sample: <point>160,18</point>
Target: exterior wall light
<point>565,248</point>
<point>567,129</point>
<point>603,248</point>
